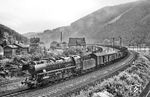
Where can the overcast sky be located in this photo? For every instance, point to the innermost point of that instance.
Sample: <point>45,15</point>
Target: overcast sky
<point>38,15</point>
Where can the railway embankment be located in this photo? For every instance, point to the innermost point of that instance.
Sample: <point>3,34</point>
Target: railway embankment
<point>146,91</point>
<point>128,82</point>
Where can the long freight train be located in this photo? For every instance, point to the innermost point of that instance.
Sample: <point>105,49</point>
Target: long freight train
<point>50,72</point>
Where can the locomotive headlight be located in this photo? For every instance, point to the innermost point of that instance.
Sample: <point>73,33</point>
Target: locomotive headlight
<point>44,70</point>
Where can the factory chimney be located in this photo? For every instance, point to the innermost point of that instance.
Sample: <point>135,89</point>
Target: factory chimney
<point>61,37</point>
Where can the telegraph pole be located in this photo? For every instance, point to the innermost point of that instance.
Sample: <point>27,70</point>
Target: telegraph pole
<point>113,41</point>
<point>120,39</point>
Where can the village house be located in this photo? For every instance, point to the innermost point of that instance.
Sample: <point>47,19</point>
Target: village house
<point>10,50</point>
<point>77,42</point>
<point>15,49</point>
<point>21,48</point>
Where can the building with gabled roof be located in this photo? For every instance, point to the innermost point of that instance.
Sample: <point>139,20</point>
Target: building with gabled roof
<point>10,50</point>
<point>77,42</point>
<point>22,49</point>
<point>15,49</point>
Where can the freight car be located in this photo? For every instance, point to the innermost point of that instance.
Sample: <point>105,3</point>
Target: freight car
<point>41,74</point>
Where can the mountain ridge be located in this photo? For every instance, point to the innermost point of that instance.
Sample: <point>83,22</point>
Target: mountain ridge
<point>129,21</point>
<point>10,32</point>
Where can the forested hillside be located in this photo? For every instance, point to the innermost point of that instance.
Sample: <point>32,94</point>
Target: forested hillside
<point>6,32</point>
<point>130,21</point>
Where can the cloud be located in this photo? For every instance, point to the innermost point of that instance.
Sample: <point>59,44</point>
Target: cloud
<point>37,26</point>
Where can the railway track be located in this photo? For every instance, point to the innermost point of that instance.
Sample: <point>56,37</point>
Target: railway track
<point>24,91</point>
<point>104,76</point>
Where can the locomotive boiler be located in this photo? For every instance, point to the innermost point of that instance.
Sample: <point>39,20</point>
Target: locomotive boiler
<point>48,72</point>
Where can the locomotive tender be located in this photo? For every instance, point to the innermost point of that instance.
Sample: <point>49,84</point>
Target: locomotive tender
<point>41,74</point>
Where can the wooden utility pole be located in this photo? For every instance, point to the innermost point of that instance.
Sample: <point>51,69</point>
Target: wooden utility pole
<point>113,41</point>
<point>120,39</point>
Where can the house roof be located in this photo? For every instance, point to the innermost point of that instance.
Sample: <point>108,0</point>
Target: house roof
<point>11,46</point>
<point>21,45</point>
<point>77,42</point>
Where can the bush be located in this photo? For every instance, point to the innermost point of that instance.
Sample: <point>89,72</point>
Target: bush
<point>72,51</point>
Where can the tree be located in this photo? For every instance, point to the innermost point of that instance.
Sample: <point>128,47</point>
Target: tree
<point>54,45</point>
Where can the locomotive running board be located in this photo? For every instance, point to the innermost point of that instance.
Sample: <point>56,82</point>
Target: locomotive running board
<point>57,70</point>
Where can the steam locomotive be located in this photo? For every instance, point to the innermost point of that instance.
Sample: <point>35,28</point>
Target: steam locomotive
<point>49,72</point>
